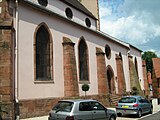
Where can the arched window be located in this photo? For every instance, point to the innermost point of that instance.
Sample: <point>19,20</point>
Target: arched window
<point>110,78</point>
<point>136,65</point>
<point>43,53</point>
<point>83,60</point>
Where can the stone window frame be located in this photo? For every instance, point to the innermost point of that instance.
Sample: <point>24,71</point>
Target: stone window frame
<point>50,54</point>
<point>82,81</point>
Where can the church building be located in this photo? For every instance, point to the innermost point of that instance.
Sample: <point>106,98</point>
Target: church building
<point>50,48</point>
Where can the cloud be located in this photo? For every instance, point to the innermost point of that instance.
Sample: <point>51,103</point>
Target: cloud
<point>134,21</point>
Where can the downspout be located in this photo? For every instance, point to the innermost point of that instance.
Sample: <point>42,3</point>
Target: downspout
<point>17,62</point>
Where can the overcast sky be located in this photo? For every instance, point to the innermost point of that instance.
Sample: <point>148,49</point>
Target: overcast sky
<point>134,21</point>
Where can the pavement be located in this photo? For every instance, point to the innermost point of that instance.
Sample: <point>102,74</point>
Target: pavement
<point>37,118</point>
<point>155,116</point>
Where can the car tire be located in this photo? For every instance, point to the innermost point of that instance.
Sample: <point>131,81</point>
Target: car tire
<point>139,113</point>
<point>112,117</point>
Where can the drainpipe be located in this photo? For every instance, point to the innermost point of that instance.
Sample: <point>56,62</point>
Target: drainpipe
<point>16,62</point>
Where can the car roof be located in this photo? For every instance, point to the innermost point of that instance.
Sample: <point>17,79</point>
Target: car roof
<point>77,100</point>
<point>135,96</point>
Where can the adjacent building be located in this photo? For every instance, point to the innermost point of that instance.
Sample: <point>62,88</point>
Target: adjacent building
<point>156,77</point>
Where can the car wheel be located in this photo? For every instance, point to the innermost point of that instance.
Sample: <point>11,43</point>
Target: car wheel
<point>139,113</point>
<point>112,117</point>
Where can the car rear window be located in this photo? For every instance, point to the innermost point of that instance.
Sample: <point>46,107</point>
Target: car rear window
<point>127,100</point>
<point>63,106</point>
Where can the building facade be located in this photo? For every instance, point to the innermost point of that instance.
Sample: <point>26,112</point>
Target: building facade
<point>156,78</point>
<point>49,49</point>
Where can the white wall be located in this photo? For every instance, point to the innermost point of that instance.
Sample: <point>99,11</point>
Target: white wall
<point>28,21</point>
<point>59,7</point>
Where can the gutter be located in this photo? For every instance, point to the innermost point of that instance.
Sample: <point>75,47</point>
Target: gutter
<point>16,62</point>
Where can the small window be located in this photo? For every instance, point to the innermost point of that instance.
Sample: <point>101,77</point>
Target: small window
<point>69,13</point>
<point>108,51</point>
<point>43,2</point>
<point>128,100</point>
<point>63,106</point>
<point>84,106</point>
<point>88,22</point>
<point>96,106</point>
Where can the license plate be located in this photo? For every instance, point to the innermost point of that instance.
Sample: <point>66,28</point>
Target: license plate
<point>125,106</point>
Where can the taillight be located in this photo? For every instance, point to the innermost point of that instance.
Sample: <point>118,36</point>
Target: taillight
<point>135,105</point>
<point>117,104</point>
<point>70,118</point>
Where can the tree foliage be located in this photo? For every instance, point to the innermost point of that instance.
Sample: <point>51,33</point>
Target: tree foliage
<point>147,56</point>
<point>85,87</point>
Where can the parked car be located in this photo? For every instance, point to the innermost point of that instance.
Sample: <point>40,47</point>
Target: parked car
<point>135,105</point>
<point>81,110</point>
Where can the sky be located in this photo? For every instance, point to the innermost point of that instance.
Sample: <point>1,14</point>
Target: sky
<point>136,22</point>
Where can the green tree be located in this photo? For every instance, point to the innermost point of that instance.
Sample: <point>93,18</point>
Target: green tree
<point>85,87</point>
<point>147,56</point>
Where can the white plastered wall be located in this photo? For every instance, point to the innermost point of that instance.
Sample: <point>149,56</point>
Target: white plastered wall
<point>28,21</point>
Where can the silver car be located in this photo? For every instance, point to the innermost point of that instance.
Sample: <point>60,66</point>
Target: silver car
<point>81,110</point>
<point>135,105</point>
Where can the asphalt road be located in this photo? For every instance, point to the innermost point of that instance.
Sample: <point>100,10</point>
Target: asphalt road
<point>155,116</point>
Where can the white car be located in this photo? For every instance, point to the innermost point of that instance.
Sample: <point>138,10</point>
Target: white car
<point>81,110</point>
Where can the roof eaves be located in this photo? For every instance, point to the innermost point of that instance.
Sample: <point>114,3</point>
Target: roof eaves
<point>102,34</point>
<point>135,48</point>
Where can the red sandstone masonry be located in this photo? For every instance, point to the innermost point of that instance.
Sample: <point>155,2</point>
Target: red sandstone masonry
<point>40,107</point>
<point>6,79</point>
<point>70,71</point>
<point>120,76</point>
<point>101,72</point>
<point>146,83</point>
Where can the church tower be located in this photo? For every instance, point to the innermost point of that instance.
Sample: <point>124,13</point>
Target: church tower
<point>93,7</point>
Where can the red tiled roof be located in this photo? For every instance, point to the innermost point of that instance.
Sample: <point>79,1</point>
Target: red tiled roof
<point>156,66</point>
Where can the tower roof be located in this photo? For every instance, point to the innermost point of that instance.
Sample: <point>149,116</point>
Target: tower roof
<point>77,5</point>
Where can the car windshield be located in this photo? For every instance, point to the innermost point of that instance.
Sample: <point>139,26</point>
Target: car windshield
<point>63,106</point>
<point>127,100</point>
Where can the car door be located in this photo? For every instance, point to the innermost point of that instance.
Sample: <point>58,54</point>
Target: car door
<point>99,112</point>
<point>143,105</point>
<point>147,106</point>
<point>85,111</point>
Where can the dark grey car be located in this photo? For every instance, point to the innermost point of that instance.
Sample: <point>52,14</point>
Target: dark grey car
<point>81,110</point>
<point>135,105</point>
